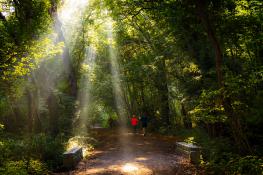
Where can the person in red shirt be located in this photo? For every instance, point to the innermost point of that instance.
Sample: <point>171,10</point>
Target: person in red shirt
<point>134,123</point>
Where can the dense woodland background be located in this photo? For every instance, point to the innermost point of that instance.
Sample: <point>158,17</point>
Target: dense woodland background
<point>195,67</point>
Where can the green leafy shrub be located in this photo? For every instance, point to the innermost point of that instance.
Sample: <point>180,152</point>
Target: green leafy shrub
<point>47,149</point>
<point>37,168</point>
<point>23,167</point>
<point>39,147</point>
<point>12,149</point>
<point>14,167</point>
<point>220,158</point>
<point>249,165</point>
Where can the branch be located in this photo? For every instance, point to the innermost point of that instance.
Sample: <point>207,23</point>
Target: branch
<point>138,12</point>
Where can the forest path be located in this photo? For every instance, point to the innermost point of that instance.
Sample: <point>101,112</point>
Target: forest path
<point>125,153</point>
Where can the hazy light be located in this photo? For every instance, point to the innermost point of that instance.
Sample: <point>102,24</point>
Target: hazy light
<point>115,71</point>
<point>70,16</point>
<point>72,9</point>
<point>128,167</point>
<point>7,9</point>
<point>84,93</point>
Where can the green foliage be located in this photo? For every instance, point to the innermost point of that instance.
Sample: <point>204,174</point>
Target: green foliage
<point>24,168</point>
<point>65,108</point>
<point>14,167</point>
<point>44,150</point>
<point>1,127</point>
<point>250,165</point>
<point>231,164</point>
<point>47,149</point>
<point>209,108</point>
<point>165,51</point>
<point>13,149</point>
<point>37,167</point>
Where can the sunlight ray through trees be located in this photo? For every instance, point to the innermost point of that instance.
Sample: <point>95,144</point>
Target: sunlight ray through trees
<point>115,71</point>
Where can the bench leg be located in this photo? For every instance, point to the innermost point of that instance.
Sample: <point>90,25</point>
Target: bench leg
<point>195,157</point>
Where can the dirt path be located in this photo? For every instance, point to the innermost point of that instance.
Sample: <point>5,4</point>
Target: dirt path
<point>134,154</point>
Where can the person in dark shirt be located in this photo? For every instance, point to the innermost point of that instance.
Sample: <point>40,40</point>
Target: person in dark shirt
<point>144,121</point>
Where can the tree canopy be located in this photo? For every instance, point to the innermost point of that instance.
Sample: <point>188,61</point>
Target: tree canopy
<point>195,67</point>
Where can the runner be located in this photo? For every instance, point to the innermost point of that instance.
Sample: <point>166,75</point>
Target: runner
<point>144,121</point>
<point>134,123</point>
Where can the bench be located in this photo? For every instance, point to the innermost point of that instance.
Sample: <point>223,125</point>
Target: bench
<point>72,157</point>
<point>192,151</point>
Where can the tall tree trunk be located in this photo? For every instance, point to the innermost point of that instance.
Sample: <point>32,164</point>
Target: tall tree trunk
<point>236,128</point>
<point>143,105</point>
<point>162,85</point>
<point>127,94</point>
<point>235,124</point>
<point>202,13</point>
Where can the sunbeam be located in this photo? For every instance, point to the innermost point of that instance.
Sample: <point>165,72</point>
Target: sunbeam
<point>84,108</point>
<point>115,71</point>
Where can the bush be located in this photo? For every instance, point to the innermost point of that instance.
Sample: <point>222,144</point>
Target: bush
<point>47,149</point>
<point>12,149</point>
<point>40,147</point>
<point>249,165</point>
<point>14,168</point>
<point>37,168</point>
<point>23,167</point>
